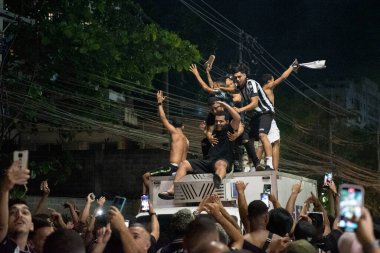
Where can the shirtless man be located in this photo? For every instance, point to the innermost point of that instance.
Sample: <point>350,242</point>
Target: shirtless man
<point>178,147</point>
<point>268,83</point>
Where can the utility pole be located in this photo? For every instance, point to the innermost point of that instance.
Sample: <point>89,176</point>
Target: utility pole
<point>241,47</point>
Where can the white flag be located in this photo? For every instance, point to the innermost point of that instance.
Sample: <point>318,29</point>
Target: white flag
<point>314,64</point>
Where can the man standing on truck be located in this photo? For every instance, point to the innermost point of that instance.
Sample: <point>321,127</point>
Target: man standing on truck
<point>178,147</point>
<point>219,158</point>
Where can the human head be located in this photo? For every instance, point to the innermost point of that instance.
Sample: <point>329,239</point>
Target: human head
<point>179,222</point>
<point>221,119</point>
<point>304,230</point>
<point>280,221</point>
<point>177,122</point>
<point>266,79</point>
<point>141,236</point>
<point>300,246</point>
<point>199,232</point>
<point>213,105</point>
<point>258,213</point>
<point>63,241</point>
<point>240,74</point>
<point>20,218</point>
<point>42,229</point>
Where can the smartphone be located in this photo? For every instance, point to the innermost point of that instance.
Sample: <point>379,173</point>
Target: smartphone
<point>119,202</point>
<point>21,156</point>
<point>264,198</point>
<point>328,179</point>
<point>267,188</point>
<point>126,222</point>
<point>144,203</point>
<point>351,204</point>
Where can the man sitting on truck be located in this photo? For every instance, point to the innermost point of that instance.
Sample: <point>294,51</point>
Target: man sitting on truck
<point>219,158</point>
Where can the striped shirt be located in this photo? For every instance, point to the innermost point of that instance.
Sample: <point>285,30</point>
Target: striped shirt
<point>253,89</point>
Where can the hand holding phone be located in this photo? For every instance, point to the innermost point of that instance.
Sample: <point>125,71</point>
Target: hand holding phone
<point>265,198</point>
<point>267,188</point>
<point>144,203</point>
<point>351,204</point>
<point>21,156</point>
<point>119,202</point>
<point>328,179</point>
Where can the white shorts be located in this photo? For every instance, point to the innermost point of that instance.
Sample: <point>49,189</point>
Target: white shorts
<point>274,133</point>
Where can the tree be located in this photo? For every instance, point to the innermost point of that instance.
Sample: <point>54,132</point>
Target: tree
<point>65,64</point>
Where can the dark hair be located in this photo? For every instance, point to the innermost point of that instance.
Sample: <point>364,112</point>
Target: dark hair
<point>256,208</point>
<point>39,222</point>
<point>265,78</point>
<point>212,100</point>
<point>63,241</point>
<point>16,202</point>
<point>179,222</point>
<point>304,230</point>
<point>280,221</point>
<point>240,68</point>
<point>198,229</point>
<point>176,122</point>
<point>223,113</point>
<point>317,221</point>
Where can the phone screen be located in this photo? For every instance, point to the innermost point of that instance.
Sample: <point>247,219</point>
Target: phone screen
<point>119,202</point>
<point>351,203</point>
<point>267,188</point>
<point>144,203</point>
<point>328,178</point>
<point>264,198</point>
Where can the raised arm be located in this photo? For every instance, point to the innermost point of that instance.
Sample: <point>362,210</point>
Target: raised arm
<point>45,194</point>
<point>296,189</point>
<point>117,221</point>
<point>235,122</point>
<point>14,175</point>
<point>242,204</point>
<point>86,210</point>
<point>233,232</point>
<point>204,86</point>
<point>209,79</point>
<point>215,199</point>
<point>74,215</point>
<point>336,198</point>
<point>160,100</point>
<point>284,75</point>
<point>154,222</point>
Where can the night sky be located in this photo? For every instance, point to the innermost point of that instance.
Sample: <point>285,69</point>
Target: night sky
<point>346,33</point>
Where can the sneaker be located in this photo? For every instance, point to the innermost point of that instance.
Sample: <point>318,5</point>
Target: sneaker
<point>237,167</point>
<point>217,181</point>
<point>260,167</point>
<point>267,167</point>
<point>210,61</point>
<point>166,195</point>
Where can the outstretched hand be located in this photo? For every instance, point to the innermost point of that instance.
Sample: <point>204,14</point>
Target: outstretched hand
<point>160,96</point>
<point>45,187</point>
<point>193,68</point>
<point>15,176</point>
<point>240,186</point>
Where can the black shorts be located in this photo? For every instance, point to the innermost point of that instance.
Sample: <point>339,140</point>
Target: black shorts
<point>167,170</point>
<point>260,123</point>
<point>201,166</point>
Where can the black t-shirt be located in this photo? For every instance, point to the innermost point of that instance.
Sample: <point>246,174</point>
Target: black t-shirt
<point>153,244</point>
<point>223,149</point>
<point>9,246</point>
<point>175,246</point>
<point>329,243</point>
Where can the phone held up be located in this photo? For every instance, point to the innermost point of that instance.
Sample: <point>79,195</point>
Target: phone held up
<point>328,179</point>
<point>144,203</point>
<point>21,156</point>
<point>119,202</point>
<point>265,198</point>
<point>351,204</point>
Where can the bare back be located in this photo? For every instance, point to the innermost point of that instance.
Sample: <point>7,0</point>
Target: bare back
<point>269,93</point>
<point>178,147</point>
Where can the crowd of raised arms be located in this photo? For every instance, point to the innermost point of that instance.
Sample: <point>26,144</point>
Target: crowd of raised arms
<point>241,112</point>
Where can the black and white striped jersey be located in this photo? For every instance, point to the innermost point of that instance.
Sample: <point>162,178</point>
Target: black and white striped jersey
<point>253,89</point>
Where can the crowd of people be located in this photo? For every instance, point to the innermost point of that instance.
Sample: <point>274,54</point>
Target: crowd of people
<point>210,228</point>
<point>241,111</point>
